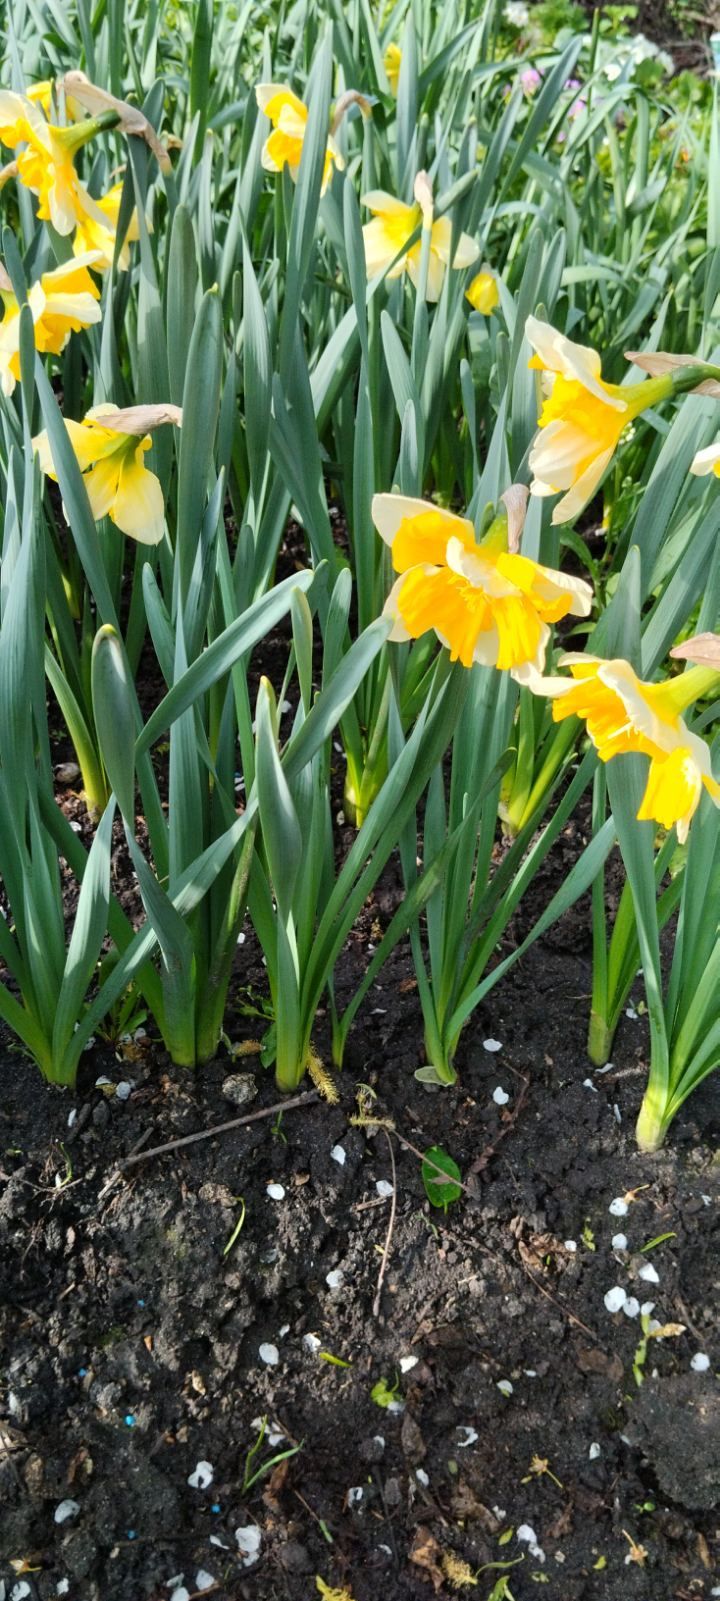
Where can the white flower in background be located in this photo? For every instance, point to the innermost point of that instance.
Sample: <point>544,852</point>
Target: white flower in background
<point>516,14</point>
<point>627,54</point>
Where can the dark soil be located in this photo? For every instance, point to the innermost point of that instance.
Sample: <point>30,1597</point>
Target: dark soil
<point>130,1333</point>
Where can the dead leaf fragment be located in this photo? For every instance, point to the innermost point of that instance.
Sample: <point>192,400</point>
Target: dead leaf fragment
<point>425,1553</point>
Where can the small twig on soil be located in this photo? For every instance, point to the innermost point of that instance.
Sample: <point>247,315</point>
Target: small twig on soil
<point>322,1525</point>
<point>561,1308</point>
<point>377,1475</point>
<point>684,1313</point>
<point>220,1128</point>
<point>511,1118</point>
<point>13,1465</point>
<point>117,1175</point>
<point>389,1235</point>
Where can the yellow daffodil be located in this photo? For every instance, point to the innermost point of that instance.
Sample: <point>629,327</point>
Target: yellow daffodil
<point>624,714</point>
<point>483,292</point>
<point>283,147</point>
<point>394,223</point>
<point>485,602</point>
<point>392,61</point>
<point>45,163</point>
<point>582,417</point>
<point>97,229</point>
<point>61,302</point>
<point>109,446</point>
<point>706,461</point>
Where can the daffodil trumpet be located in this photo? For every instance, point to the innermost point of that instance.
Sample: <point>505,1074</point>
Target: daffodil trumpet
<point>582,417</point>
<point>109,445</point>
<point>486,602</point>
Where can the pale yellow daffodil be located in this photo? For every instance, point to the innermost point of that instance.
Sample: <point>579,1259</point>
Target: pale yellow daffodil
<point>582,417</point>
<point>483,292</point>
<point>284,146</point>
<point>109,446</point>
<point>706,461</point>
<point>97,229</point>
<point>624,714</point>
<point>392,61</point>
<point>485,602</point>
<point>62,302</point>
<point>393,224</point>
<point>45,156</point>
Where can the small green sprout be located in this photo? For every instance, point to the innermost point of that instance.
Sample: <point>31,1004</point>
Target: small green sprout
<point>237,1228</point>
<point>659,1240</point>
<point>253,1475</point>
<point>383,1394</point>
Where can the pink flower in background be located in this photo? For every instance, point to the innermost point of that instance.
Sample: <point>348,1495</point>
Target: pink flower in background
<point>577,107</point>
<point>530,80</point>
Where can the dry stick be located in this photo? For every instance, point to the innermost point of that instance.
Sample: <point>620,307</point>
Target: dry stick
<point>117,1175</point>
<point>388,1236</point>
<point>561,1306</point>
<point>7,1452</point>
<point>221,1128</point>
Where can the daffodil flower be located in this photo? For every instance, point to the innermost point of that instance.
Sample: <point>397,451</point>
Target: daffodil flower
<point>482,292</point>
<point>707,461</point>
<point>485,602</point>
<point>61,302</point>
<point>624,714</point>
<point>45,164</point>
<point>393,224</point>
<point>109,446</point>
<point>582,417</point>
<point>97,229</point>
<point>392,61</point>
<point>283,147</point>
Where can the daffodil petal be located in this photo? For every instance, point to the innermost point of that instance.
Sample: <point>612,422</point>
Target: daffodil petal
<point>422,529</point>
<point>706,461</point>
<point>139,508</point>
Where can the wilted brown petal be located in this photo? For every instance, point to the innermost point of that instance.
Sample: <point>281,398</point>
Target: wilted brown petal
<point>660,362</point>
<point>703,649</point>
<point>138,419</point>
<point>132,120</point>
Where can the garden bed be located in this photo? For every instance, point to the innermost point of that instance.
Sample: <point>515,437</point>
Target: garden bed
<point>131,1338</point>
